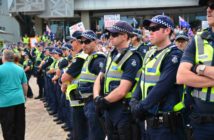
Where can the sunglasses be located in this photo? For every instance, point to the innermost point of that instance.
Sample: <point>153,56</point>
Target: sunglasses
<point>155,28</point>
<point>211,5</point>
<point>115,34</point>
<point>87,41</point>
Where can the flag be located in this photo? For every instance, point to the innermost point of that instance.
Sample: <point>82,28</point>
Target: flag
<point>183,23</point>
<point>134,22</point>
<point>48,30</point>
<point>190,33</point>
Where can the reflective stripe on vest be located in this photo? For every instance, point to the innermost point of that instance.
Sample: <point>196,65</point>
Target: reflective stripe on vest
<point>203,55</point>
<point>114,72</point>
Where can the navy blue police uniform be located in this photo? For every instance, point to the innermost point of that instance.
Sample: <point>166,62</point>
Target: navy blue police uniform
<point>154,98</point>
<point>202,111</point>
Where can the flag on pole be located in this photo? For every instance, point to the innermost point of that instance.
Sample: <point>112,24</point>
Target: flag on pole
<point>48,30</point>
<point>134,22</point>
<point>183,23</point>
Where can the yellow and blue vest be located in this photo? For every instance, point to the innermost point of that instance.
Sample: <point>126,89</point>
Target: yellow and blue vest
<point>73,86</point>
<point>114,73</point>
<point>203,55</point>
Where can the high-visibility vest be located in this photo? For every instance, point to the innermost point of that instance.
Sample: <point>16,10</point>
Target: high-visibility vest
<point>203,55</point>
<point>26,40</point>
<point>114,73</point>
<point>151,72</point>
<point>86,79</point>
<point>25,63</point>
<point>73,86</point>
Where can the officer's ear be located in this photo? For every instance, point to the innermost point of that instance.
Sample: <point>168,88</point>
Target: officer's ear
<point>168,31</point>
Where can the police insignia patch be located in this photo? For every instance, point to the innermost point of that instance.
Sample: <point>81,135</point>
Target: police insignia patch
<point>175,59</point>
<point>134,63</point>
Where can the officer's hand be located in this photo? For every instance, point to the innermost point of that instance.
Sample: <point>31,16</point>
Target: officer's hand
<point>101,102</point>
<point>63,88</point>
<point>136,109</point>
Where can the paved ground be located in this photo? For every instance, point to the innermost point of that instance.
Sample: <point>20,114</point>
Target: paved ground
<point>40,125</point>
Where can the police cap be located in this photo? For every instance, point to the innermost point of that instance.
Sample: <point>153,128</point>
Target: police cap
<point>121,27</point>
<point>89,34</point>
<point>160,20</point>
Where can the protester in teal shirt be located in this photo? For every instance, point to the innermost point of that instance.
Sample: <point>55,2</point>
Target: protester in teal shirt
<point>11,79</point>
<point>13,89</point>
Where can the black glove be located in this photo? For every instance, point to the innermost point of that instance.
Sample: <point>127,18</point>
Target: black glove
<point>101,102</point>
<point>137,111</point>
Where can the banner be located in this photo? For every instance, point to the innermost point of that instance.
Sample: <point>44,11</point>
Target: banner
<point>110,20</point>
<point>77,27</point>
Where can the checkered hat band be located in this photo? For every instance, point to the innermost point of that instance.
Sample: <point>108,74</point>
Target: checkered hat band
<point>89,36</point>
<point>156,20</point>
<point>120,29</point>
<point>182,36</point>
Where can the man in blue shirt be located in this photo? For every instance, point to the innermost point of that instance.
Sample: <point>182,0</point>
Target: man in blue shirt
<point>13,90</point>
<point>196,70</point>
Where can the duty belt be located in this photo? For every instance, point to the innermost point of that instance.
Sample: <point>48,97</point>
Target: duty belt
<point>199,119</point>
<point>170,120</point>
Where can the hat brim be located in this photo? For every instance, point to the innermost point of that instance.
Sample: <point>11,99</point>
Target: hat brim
<point>113,30</point>
<point>147,22</point>
<point>181,37</point>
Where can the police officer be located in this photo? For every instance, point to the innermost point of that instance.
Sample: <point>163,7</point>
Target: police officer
<point>28,66</point>
<point>69,85</point>
<point>45,66</point>
<point>157,93</point>
<point>137,44</point>
<point>91,68</point>
<point>38,72</point>
<point>181,40</point>
<point>120,76</point>
<point>26,40</point>
<point>196,70</point>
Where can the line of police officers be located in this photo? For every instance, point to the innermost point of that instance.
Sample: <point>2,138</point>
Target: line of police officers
<point>131,92</point>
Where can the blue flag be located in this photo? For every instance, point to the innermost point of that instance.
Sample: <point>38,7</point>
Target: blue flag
<point>183,23</point>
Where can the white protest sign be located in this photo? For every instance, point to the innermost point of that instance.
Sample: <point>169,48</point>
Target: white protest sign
<point>204,25</point>
<point>110,20</point>
<point>33,41</point>
<point>77,27</point>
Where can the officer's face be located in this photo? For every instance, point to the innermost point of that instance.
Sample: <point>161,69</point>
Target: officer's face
<point>116,39</point>
<point>210,13</point>
<point>181,44</point>
<point>75,43</point>
<point>88,45</point>
<point>158,34</point>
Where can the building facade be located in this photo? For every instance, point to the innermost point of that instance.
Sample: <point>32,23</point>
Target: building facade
<point>9,27</point>
<point>61,14</point>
